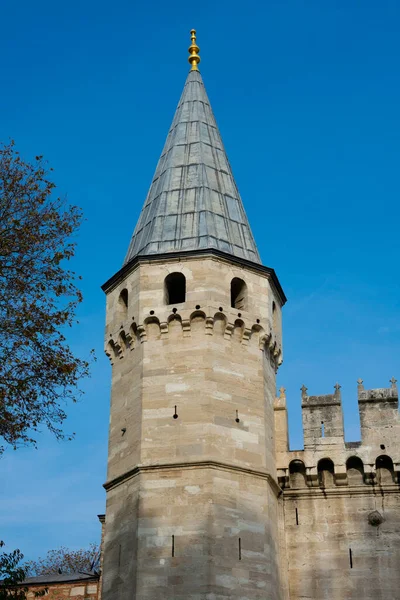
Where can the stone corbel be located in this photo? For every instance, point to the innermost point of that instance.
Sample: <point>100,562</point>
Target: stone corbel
<point>312,476</point>
<point>246,336</point>
<point>369,474</point>
<point>186,327</point>
<point>142,333</point>
<point>163,328</point>
<point>340,475</point>
<point>130,340</point>
<point>228,331</point>
<point>209,326</point>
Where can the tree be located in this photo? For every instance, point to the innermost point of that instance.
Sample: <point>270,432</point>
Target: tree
<point>39,373</point>
<point>12,575</point>
<point>64,560</point>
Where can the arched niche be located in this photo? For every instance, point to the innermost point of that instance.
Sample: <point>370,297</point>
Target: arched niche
<point>220,322</point>
<point>238,329</point>
<point>197,322</point>
<point>255,335</point>
<point>326,473</point>
<point>175,326</point>
<point>153,330</point>
<point>355,470</point>
<point>297,474</point>
<point>384,469</point>
<point>122,339</point>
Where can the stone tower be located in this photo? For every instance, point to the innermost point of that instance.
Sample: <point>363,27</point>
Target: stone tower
<point>193,333</point>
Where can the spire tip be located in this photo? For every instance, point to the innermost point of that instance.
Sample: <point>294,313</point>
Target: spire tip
<point>194,50</point>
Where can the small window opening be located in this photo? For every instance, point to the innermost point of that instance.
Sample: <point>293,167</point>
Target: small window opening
<point>297,516</point>
<point>175,414</point>
<point>123,302</point>
<point>172,545</point>
<point>382,446</point>
<point>322,429</point>
<point>175,288</point>
<point>237,417</point>
<point>238,294</point>
<point>351,558</point>
<point>240,549</point>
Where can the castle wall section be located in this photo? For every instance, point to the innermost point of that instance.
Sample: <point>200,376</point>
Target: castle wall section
<point>341,500</point>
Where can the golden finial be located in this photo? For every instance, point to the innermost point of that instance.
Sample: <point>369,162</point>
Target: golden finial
<point>194,50</point>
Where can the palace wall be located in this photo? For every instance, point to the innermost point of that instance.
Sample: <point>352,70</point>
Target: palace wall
<point>341,500</point>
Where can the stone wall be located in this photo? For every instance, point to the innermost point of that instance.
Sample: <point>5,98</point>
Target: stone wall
<point>66,590</point>
<point>341,500</point>
<point>192,509</point>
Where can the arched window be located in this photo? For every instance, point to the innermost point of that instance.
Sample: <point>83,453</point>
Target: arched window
<point>355,470</point>
<point>123,303</point>
<point>175,288</point>
<point>326,473</point>
<point>238,294</point>
<point>297,474</point>
<point>384,469</point>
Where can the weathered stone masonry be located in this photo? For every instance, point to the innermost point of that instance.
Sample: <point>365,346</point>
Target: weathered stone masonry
<point>205,501</point>
<point>342,499</point>
<point>191,492</point>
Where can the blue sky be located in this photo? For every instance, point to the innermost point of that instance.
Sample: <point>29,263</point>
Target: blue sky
<point>306,96</point>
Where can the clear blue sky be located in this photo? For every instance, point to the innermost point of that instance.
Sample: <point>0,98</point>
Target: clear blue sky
<point>307,96</point>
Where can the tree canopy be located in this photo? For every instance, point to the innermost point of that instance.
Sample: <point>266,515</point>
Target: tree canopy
<point>39,373</point>
<point>12,576</point>
<point>64,560</point>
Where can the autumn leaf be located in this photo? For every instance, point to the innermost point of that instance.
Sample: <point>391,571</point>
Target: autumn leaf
<point>39,374</point>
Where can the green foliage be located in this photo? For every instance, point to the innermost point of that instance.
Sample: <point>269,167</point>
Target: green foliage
<point>64,560</point>
<point>11,575</point>
<point>39,373</point>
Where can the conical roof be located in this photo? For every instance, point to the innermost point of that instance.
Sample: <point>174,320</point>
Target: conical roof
<point>193,202</point>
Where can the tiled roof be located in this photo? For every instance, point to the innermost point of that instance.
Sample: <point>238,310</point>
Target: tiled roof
<point>193,202</point>
<point>60,578</point>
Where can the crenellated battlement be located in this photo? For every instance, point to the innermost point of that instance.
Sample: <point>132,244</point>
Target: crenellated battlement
<point>322,419</point>
<point>379,394</point>
<point>119,343</point>
<point>327,460</point>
